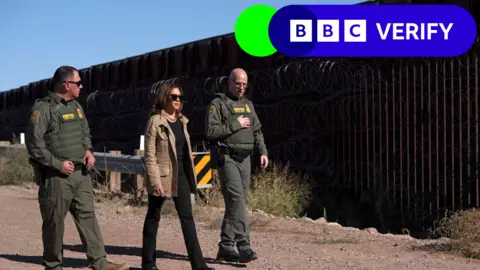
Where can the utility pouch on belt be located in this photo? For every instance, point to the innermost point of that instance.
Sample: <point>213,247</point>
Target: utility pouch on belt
<point>239,155</point>
<point>39,172</point>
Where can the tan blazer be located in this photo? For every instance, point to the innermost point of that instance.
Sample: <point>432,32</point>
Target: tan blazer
<point>161,156</point>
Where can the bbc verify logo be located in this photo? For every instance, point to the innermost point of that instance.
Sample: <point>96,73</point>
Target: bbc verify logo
<point>356,31</point>
<point>328,31</point>
<point>372,31</point>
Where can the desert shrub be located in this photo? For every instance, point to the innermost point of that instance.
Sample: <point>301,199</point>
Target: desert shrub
<point>14,167</point>
<point>463,228</point>
<point>277,191</point>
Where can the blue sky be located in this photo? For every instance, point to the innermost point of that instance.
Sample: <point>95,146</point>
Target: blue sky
<point>39,36</point>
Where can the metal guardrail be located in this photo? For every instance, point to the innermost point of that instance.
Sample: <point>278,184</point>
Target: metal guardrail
<point>123,163</point>
<point>128,164</point>
<point>119,163</point>
<point>106,161</point>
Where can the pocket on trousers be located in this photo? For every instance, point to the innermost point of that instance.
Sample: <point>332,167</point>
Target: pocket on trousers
<point>48,210</point>
<point>48,201</point>
<point>45,188</point>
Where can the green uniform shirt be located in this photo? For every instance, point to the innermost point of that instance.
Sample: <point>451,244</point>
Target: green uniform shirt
<point>57,130</point>
<point>222,124</point>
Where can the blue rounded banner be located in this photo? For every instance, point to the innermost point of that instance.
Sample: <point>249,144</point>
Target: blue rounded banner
<point>372,30</point>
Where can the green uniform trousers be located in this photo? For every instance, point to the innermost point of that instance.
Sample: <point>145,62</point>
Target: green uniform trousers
<point>235,181</point>
<point>57,195</point>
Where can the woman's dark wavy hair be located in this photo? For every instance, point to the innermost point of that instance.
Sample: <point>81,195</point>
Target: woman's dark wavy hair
<point>162,99</point>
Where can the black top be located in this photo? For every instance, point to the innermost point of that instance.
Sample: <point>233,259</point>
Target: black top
<point>177,130</point>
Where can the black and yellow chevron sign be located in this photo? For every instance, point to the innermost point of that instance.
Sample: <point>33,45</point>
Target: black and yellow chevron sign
<point>203,168</point>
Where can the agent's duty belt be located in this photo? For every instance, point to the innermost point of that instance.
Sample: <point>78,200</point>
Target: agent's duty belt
<point>78,166</point>
<point>236,154</point>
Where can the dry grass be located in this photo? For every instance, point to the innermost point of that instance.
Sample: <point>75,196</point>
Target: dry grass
<point>14,167</point>
<point>277,191</point>
<point>463,227</point>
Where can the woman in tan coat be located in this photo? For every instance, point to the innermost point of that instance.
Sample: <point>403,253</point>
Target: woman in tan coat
<point>169,173</point>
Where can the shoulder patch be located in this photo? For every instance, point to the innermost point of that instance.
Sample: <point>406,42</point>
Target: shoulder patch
<point>34,116</point>
<point>212,109</point>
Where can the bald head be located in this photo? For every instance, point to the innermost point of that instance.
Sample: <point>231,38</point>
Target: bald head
<point>238,73</point>
<point>237,83</point>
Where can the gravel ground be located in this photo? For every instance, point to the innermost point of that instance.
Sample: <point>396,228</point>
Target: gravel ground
<point>281,244</point>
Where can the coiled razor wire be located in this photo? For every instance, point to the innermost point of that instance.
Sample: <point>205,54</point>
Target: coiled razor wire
<point>302,106</point>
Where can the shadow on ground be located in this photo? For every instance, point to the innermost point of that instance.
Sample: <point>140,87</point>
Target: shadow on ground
<point>67,263</point>
<point>135,251</point>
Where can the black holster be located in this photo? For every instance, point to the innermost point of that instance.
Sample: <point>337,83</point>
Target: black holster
<point>217,158</point>
<point>39,171</point>
<point>82,168</point>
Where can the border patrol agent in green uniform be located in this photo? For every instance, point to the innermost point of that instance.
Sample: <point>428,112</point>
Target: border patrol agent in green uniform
<point>58,142</point>
<point>234,131</point>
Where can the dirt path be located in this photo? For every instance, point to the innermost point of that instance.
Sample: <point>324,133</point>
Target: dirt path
<point>282,244</point>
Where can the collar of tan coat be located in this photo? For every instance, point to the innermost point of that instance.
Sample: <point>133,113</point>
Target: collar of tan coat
<point>164,122</point>
<point>163,118</point>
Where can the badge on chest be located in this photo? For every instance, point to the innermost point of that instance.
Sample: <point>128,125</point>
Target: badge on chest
<point>68,116</point>
<point>240,109</point>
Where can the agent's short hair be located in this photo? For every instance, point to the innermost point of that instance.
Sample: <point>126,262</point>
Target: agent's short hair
<point>63,73</point>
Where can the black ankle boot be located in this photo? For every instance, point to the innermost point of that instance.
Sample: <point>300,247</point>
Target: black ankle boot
<point>228,255</point>
<point>247,255</point>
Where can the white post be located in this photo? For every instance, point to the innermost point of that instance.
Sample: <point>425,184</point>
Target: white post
<point>22,138</point>
<point>142,142</point>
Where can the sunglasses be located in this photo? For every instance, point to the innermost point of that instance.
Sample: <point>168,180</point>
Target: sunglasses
<point>79,83</point>
<point>176,97</point>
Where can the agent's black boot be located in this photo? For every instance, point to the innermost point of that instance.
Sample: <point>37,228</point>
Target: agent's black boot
<point>228,255</point>
<point>247,255</point>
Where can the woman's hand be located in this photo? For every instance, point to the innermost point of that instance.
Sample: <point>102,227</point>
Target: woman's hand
<point>158,190</point>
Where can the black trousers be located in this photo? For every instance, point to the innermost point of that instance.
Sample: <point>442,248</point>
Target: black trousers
<point>183,206</point>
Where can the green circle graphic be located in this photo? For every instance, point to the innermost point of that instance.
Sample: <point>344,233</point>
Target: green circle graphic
<point>251,30</point>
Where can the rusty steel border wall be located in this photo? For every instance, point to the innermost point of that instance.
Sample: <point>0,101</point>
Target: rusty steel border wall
<point>395,139</point>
